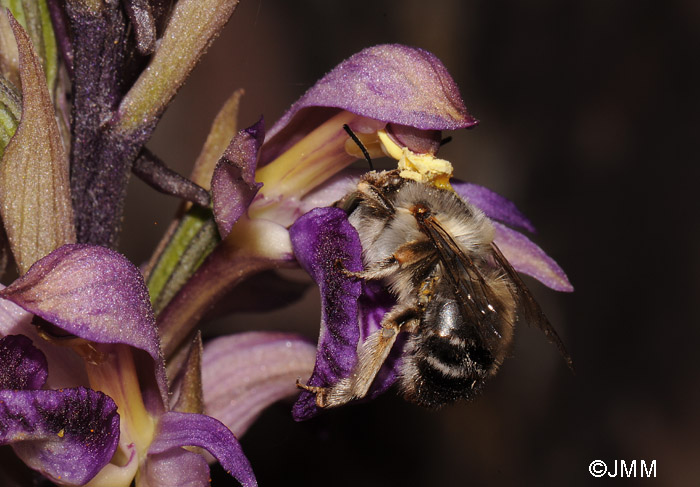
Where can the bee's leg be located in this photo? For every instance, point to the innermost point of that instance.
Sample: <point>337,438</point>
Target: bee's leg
<point>381,269</point>
<point>408,255</point>
<point>370,358</point>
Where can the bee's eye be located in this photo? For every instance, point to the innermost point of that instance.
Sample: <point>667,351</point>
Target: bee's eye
<point>420,210</point>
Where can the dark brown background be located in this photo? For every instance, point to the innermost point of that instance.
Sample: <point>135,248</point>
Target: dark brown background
<point>588,122</point>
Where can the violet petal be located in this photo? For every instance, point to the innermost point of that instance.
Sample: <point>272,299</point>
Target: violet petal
<point>526,257</point>
<point>233,184</point>
<point>94,293</point>
<point>177,468</point>
<point>492,204</point>
<point>242,374</point>
<point>332,190</point>
<point>391,83</point>
<point>67,367</point>
<point>187,429</point>
<point>324,242</point>
<point>68,435</point>
<point>22,365</point>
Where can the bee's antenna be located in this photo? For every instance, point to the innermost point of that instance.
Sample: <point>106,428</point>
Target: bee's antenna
<point>446,140</point>
<point>359,144</point>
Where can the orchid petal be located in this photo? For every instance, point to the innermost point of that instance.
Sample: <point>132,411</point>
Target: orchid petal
<point>324,242</point>
<point>494,206</point>
<point>22,365</point>
<point>175,468</point>
<point>243,374</point>
<point>122,474</point>
<point>526,257</point>
<point>187,429</point>
<point>233,184</point>
<point>94,293</point>
<point>34,189</point>
<point>68,435</point>
<point>391,83</point>
<point>331,191</point>
<point>67,367</point>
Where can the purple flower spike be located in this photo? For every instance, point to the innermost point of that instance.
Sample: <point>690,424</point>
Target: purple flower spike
<point>526,257</point>
<point>233,184</point>
<point>94,293</point>
<point>68,435</point>
<point>324,243</point>
<point>243,374</point>
<point>22,365</point>
<point>492,204</point>
<point>187,429</point>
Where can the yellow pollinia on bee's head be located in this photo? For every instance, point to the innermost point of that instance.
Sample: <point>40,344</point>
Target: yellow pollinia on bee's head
<point>424,168</point>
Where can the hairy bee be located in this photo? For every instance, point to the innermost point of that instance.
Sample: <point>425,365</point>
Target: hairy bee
<point>457,295</point>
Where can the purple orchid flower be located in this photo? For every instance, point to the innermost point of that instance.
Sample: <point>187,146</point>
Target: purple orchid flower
<point>103,377</point>
<point>262,188</point>
<point>95,302</point>
<point>264,182</point>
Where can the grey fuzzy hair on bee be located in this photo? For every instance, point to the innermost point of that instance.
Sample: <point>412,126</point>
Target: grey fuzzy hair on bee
<point>457,297</point>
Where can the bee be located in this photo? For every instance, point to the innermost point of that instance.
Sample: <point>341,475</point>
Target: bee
<point>457,297</point>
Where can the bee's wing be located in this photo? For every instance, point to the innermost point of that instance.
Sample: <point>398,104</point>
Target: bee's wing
<point>531,311</point>
<point>477,300</point>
